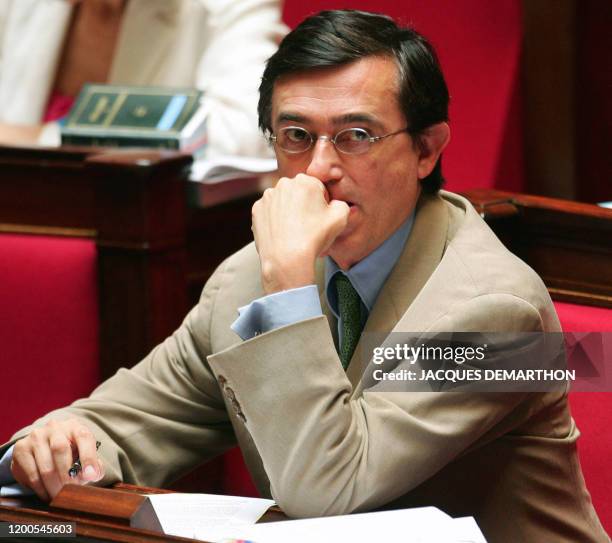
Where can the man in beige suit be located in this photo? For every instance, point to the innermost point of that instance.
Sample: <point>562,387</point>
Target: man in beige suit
<point>356,109</point>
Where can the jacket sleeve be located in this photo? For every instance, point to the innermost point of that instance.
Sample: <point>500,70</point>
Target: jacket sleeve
<point>162,417</point>
<point>329,451</point>
<point>243,34</point>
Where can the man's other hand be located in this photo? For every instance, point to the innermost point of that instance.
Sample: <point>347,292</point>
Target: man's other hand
<point>41,460</point>
<point>293,224</point>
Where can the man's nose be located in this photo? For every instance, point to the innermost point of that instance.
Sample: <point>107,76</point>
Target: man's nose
<point>324,161</point>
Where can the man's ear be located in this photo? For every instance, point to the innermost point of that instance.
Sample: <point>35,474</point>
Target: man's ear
<point>432,142</point>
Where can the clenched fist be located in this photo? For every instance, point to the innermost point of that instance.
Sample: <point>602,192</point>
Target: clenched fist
<point>42,459</point>
<point>293,224</point>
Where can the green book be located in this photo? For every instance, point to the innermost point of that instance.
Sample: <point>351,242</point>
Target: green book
<point>129,116</point>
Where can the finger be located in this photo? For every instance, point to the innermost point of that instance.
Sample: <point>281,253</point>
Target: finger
<point>81,480</point>
<point>25,471</point>
<point>61,451</point>
<point>305,178</point>
<point>46,467</point>
<point>339,205</point>
<point>101,468</point>
<point>326,194</point>
<point>339,211</point>
<point>314,185</point>
<point>86,447</point>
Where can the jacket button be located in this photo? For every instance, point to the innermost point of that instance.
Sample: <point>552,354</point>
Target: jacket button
<point>229,392</point>
<point>221,380</point>
<point>238,410</point>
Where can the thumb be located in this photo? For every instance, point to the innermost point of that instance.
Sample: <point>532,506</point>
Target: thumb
<point>87,477</point>
<point>339,208</point>
<point>339,213</point>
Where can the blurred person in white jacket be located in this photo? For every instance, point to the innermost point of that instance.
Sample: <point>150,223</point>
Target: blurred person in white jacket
<point>49,48</point>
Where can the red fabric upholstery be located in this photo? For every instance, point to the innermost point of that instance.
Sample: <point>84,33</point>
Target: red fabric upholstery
<point>236,477</point>
<point>479,45</point>
<point>49,335</point>
<point>592,412</point>
<point>48,325</point>
<point>584,318</point>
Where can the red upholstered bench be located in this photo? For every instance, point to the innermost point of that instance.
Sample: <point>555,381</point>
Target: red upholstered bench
<point>592,412</point>
<point>48,325</point>
<point>49,332</point>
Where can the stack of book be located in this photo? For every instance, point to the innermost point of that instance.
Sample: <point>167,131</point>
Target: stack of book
<point>129,116</point>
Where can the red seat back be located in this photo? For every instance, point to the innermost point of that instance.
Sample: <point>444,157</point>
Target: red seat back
<point>592,412</point>
<point>48,325</point>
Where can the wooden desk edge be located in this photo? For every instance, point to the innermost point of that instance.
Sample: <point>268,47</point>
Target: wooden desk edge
<point>30,510</point>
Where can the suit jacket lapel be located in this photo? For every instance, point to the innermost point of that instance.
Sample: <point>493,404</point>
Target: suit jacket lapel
<point>419,259</point>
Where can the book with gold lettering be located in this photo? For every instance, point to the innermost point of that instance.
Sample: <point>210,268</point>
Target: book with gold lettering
<point>130,116</point>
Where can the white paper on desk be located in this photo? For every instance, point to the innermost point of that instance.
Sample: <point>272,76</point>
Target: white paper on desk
<point>223,168</point>
<point>465,530</point>
<point>419,525</point>
<point>206,516</point>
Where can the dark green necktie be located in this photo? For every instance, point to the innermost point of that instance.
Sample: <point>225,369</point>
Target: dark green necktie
<point>349,307</point>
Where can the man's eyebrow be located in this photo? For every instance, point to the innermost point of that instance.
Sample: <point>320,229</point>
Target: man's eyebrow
<point>291,117</point>
<point>352,118</point>
<point>349,118</point>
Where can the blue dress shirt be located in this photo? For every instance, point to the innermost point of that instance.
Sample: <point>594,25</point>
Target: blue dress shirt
<point>8,486</point>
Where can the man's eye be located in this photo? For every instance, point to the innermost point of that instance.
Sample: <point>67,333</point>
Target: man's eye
<point>296,134</point>
<point>355,134</point>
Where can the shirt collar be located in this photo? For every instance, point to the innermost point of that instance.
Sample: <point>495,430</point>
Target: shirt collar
<point>369,275</point>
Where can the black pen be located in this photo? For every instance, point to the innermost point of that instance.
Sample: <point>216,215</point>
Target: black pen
<point>76,467</point>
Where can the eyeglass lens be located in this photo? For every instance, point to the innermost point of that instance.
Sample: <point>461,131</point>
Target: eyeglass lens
<point>294,139</point>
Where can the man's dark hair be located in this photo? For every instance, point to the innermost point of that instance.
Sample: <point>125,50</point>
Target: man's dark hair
<point>334,38</point>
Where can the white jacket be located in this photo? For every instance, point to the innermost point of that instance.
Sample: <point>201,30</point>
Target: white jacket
<point>218,46</point>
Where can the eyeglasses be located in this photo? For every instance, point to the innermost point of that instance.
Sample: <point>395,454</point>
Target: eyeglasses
<point>350,141</point>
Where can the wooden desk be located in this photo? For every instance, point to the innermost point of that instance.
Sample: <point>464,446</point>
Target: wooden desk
<point>89,528</point>
<point>154,250</point>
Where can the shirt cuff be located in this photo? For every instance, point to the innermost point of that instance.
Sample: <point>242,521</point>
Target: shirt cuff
<point>6,477</point>
<point>276,310</point>
<point>8,486</point>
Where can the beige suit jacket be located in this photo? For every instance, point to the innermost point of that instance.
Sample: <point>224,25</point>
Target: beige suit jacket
<point>318,441</point>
